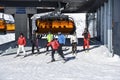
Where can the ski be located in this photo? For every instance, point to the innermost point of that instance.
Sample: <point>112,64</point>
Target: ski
<point>24,56</point>
<point>52,61</point>
<point>16,56</point>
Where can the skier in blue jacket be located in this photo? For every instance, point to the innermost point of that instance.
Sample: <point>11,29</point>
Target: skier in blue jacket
<point>61,40</point>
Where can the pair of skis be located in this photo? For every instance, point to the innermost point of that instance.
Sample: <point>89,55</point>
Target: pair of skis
<point>20,56</point>
<point>64,61</point>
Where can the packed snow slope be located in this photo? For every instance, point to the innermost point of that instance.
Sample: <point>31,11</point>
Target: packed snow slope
<point>93,65</point>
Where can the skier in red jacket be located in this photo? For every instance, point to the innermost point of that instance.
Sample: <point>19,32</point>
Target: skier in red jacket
<point>86,39</point>
<point>55,47</point>
<point>21,43</point>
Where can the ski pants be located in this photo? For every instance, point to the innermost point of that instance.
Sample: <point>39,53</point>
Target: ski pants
<point>74,47</point>
<point>21,47</point>
<point>47,48</point>
<point>86,44</point>
<point>53,52</point>
<point>33,46</point>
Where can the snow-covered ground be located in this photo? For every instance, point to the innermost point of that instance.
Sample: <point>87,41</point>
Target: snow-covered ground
<point>93,65</point>
<point>4,38</point>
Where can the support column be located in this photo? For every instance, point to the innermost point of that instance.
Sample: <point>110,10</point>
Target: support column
<point>102,25</point>
<point>94,24</point>
<point>105,24</point>
<point>116,25</point>
<point>30,25</point>
<point>21,25</point>
<point>98,24</point>
<point>110,26</point>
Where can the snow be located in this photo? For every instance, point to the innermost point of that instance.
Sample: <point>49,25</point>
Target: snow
<point>92,65</point>
<point>79,19</point>
<point>4,38</point>
<point>7,17</point>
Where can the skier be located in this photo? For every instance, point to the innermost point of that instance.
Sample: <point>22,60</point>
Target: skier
<point>21,43</point>
<point>86,39</point>
<point>55,47</point>
<point>74,42</point>
<point>35,42</point>
<point>61,40</point>
<point>49,39</point>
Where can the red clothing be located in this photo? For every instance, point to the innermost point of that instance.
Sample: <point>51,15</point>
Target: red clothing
<point>86,41</point>
<point>55,45</point>
<point>88,37</point>
<point>21,41</point>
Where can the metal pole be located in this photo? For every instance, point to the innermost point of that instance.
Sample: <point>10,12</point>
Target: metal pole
<point>110,26</point>
<point>102,30</point>
<point>105,28</point>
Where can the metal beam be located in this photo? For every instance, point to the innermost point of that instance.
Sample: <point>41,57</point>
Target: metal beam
<point>30,4</point>
<point>70,6</point>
